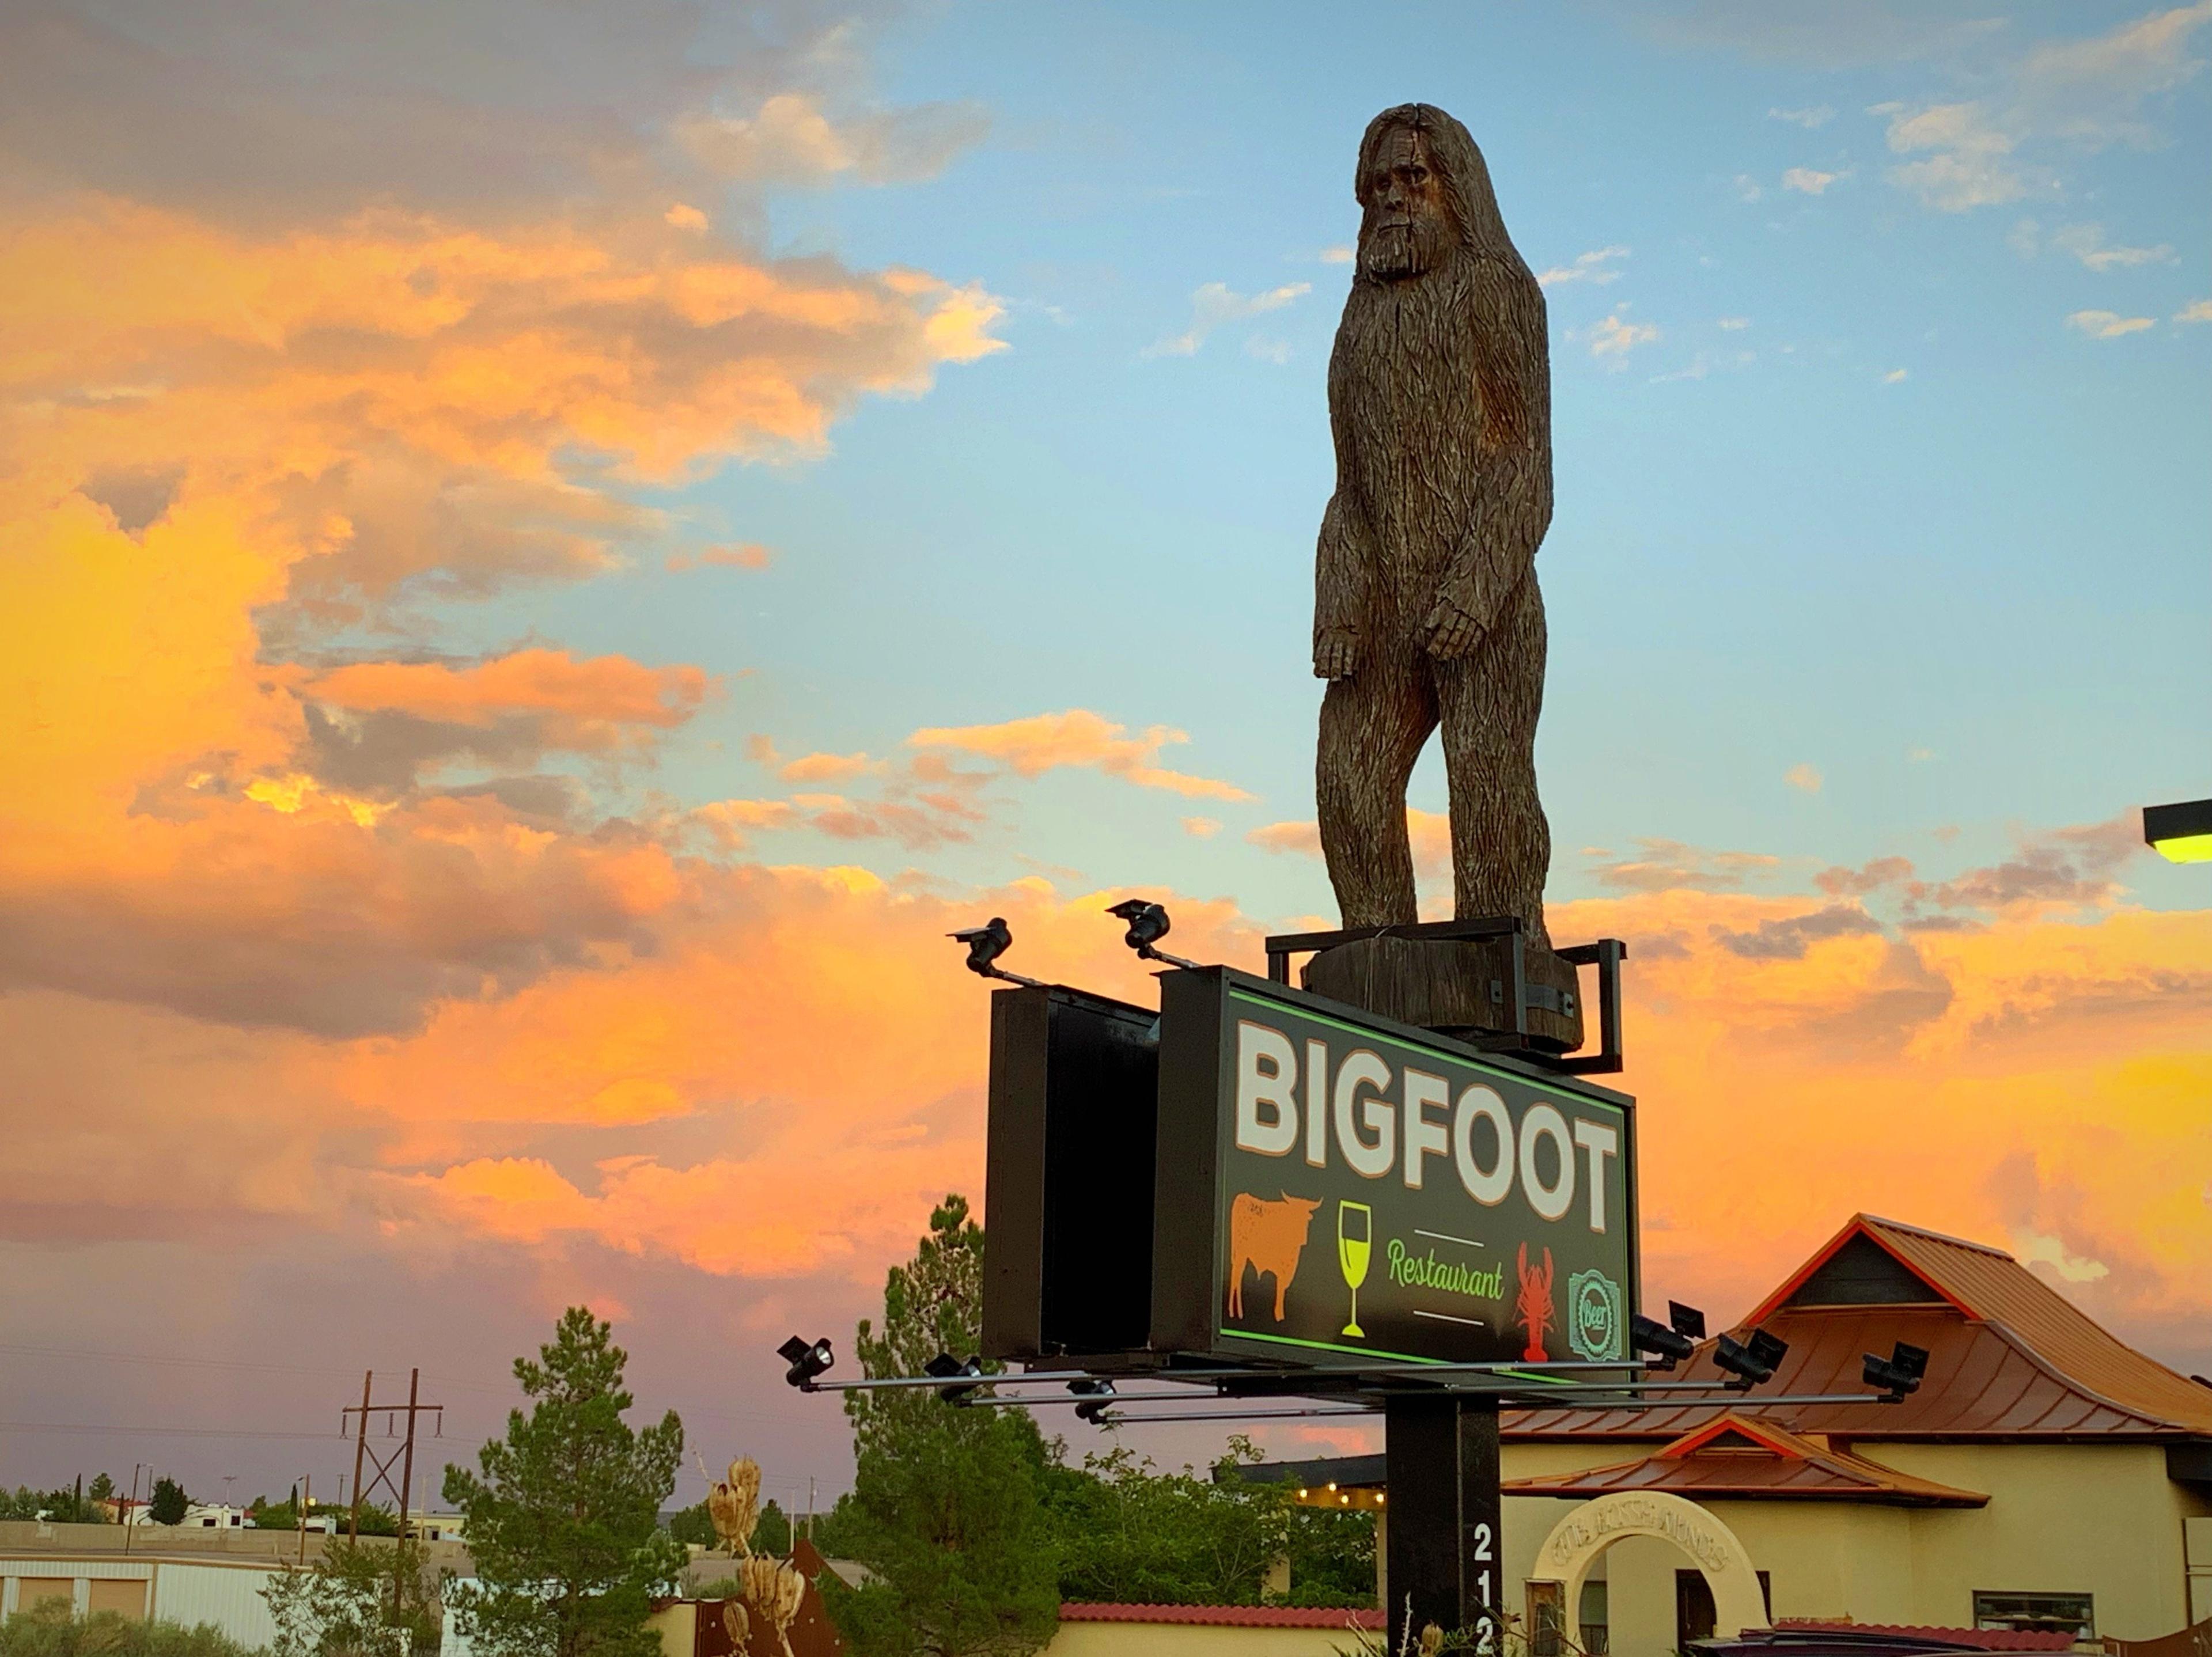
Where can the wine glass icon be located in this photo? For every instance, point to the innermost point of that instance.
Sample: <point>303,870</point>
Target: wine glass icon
<point>1354,1242</point>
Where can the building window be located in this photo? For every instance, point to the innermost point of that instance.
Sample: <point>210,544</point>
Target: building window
<point>2039,1613</point>
<point>1598,1635</point>
<point>1547,1617</point>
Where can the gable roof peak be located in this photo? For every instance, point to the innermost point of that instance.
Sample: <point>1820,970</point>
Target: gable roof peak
<point>1874,1220</point>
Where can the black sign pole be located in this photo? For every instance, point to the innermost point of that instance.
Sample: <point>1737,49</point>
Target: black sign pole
<point>1441,1567</point>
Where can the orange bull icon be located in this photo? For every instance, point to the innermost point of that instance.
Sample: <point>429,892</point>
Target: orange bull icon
<point>1267,1236</point>
<point>1533,1306</point>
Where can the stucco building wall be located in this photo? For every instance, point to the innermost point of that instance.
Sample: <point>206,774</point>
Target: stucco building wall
<point>2098,1518</point>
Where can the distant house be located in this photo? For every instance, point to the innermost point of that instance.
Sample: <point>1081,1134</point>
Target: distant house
<point>437,1526</point>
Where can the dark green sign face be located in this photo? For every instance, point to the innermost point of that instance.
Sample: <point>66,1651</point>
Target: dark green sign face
<point>1383,1195</point>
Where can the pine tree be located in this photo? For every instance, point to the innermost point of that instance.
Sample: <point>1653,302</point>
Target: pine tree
<point>563,1518</point>
<point>944,1506</point>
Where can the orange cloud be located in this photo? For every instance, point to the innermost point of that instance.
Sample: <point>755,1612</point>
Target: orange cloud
<point>748,555</point>
<point>584,704</point>
<point>794,1071</point>
<point>221,439</point>
<point>1046,742</point>
<point>825,768</point>
<point>400,395</point>
<point>1301,839</point>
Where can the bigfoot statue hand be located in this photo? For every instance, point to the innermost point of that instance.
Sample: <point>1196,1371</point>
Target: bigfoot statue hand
<point>1450,631</point>
<point>1426,608</point>
<point>1336,652</point>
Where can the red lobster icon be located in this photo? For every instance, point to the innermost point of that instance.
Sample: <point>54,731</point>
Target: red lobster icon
<point>1533,1305</point>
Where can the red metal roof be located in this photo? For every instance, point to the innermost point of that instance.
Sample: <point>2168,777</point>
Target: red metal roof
<point>2009,1357</point>
<point>1738,1458</point>
<point>1988,1639</point>
<point>1226,1616</point>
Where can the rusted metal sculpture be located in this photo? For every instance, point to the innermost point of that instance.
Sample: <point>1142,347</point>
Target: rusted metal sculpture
<point>1426,608</point>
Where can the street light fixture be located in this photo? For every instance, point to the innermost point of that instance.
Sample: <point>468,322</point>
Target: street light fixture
<point>807,1361</point>
<point>1097,1395</point>
<point>944,1367</point>
<point>1899,1374</point>
<point>1148,924</point>
<point>1674,1341</point>
<point>2180,833</point>
<point>1752,1362</point>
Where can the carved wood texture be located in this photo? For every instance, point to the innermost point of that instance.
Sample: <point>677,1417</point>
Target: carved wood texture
<point>1425,585</point>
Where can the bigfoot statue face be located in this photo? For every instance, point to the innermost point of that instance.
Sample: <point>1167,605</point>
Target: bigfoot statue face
<point>1408,228</point>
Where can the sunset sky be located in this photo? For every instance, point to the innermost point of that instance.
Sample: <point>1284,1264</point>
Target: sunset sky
<point>548,553</point>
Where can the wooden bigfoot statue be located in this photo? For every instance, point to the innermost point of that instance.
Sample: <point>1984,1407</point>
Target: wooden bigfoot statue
<point>1426,608</point>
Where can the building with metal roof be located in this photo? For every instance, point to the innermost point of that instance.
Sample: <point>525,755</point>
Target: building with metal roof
<point>2044,1476</point>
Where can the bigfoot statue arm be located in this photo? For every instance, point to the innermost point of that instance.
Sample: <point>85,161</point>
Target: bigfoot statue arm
<point>1514,459</point>
<point>1340,588</point>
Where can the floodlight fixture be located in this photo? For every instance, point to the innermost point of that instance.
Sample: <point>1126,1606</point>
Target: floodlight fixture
<point>1911,1360</point>
<point>1649,1335</point>
<point>1148,924</point>
<point>1769,1350</point>
<point>986,944</point>
<point>1097,1395</point>
<point>807,1361</point>
<point>945,1366</point>
<point>1748,1363</point>
<point>2180,833</point>
<point>1897,1375</point>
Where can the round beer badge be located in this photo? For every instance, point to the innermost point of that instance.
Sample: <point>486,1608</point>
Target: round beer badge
<point>1594,1316</point>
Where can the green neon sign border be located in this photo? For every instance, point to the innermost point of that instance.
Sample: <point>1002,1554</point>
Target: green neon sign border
<point>1375,1352</point>
<point>1579,1097</point>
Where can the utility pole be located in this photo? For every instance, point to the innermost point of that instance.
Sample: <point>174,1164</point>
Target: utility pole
<point>360,1449</point>
<point>306,1500</point>
<point>407,1466</point>
<point>403,1457</point>
<point>130,1513</point>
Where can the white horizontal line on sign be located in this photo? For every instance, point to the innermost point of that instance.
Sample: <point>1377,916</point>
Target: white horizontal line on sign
<point>1446,1237</point>
<point>1446,1317</point>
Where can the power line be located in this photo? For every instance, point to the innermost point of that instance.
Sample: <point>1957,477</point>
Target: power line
<point>167,1432</point>
<point>507,1390</point>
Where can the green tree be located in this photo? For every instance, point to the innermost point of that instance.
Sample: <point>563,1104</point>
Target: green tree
<point>169,1503</point>
<point>772,1530</point>
<point>563,1520</point>
<point>102,1488</point>
<point>358,1600</point>
<point>945,1504</point>
<point>1128,1534</point>
<point>693,1524</point>
<point>1332,1557</point>
<point>375,1520</point>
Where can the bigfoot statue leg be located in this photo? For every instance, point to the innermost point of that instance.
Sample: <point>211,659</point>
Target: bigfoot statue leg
<point>1501,844</point>
<point>1372,727</point>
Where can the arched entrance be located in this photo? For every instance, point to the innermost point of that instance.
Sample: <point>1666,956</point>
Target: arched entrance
<point>1577,1541</point>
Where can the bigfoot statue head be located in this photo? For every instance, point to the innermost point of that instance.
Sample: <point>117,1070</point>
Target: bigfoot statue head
<point>1425,193</point>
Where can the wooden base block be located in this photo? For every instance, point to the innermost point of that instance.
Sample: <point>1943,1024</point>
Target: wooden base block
<point>1458,986</point>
